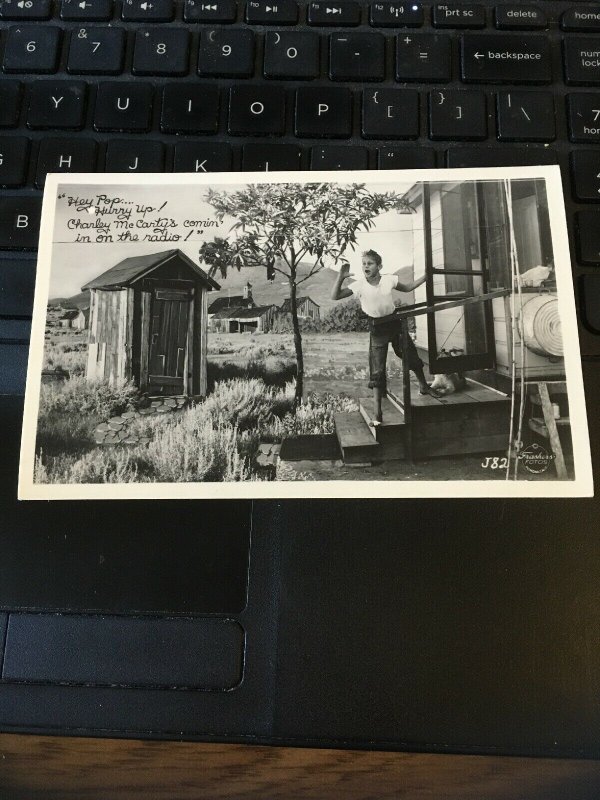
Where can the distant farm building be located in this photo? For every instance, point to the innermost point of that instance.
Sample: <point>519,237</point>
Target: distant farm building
<point>307,308</point>
<point>148,323</point>
<point>258,319</point>
<point>77,318</point>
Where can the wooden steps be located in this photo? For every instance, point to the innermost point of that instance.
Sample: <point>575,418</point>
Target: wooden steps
<point>357,443</point>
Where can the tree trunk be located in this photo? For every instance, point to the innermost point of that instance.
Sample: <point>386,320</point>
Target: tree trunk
<point>297,343</point>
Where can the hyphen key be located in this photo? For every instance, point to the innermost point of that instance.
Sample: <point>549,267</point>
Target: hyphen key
<point>505,59</point>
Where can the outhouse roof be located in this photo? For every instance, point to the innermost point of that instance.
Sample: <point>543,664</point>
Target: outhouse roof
<point>132,269</point>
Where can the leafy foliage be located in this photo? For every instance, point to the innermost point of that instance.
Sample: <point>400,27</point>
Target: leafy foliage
<point>279,225</point>
<point>219,255</point>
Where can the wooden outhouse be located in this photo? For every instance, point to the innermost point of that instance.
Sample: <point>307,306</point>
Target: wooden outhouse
<point>148,323</point>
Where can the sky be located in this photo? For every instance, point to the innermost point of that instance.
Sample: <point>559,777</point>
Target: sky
<point>190,217</point>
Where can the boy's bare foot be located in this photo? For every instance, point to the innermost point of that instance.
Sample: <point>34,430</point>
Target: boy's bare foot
<point>427,389</point>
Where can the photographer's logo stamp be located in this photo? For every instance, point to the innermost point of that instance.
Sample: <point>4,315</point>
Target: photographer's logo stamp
<point>536,458</point>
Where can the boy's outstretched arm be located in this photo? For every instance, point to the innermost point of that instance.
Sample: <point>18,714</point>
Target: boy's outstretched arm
<point>411,286</point>
<point>338,292</point>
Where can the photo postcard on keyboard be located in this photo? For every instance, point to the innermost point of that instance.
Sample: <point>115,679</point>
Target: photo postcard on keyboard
<point>390,334</point>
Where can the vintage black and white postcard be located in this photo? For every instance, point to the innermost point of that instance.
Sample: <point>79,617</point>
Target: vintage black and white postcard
<point>362,334</point>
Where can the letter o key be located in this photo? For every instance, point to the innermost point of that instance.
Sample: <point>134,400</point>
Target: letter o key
<point>257,108</point>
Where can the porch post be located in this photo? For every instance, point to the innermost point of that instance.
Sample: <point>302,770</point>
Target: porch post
<point>406,402</point>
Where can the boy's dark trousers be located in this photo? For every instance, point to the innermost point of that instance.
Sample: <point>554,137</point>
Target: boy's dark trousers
<point>384,331</point>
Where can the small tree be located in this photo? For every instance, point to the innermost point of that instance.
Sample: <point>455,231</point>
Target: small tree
<point>279,225</point>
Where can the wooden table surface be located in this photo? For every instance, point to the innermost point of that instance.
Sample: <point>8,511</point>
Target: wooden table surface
<point>57,768</point>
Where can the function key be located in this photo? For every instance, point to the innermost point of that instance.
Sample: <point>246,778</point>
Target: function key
<point>147,11</point>
<point>396,15</point>
<point>25,9</point>
<point>86,10</point>
<point>458,15</point>
<point>277,12</point>
<point>584,117</point>
<point>31,48</point>
<point>334,14</point>
<point>519,17</point>
<point>501,58</point>
<point>223,11</point>
<point>581,18</point>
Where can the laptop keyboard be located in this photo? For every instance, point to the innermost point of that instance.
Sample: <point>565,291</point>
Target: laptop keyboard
<point>213,85</point>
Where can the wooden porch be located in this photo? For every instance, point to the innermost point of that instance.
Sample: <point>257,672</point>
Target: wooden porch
<point>474,420</point>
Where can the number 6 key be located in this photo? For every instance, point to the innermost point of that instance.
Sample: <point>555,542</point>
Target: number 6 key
<point>31,48</point>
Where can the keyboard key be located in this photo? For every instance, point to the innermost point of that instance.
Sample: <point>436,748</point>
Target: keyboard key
<point>581,18</point>
<point>56,104</point>
<point>525,116</point>
<point>32,48</point>
<point>423,57</point>
<point>227,53</point>
<point>585,172</point>
<point>270,157</point>
<point>291,54</point>
<point>96,51</point>
<point>30,9</point>
<point>65,155</point>
<point>457,114</point>
<point>357,57</point>
<point>587,227</point>
<point>396,15</point>
<point>202,157</point>
<point>331,156</point>
<point>13,161</point>
<point>582,61</point>
<point>266,12</point>
<point>584,117</point>
<point>334,14</point>
<point>86,10</point>
<point>405,158</point>
<point>134,155</point>
<point>17,281</point>
<point>147,10</point>
<point>10,103</point>
<point>123,107</point>
<point>458,15</point>
<point>223,11</point>
<point>189,108</point>
<point>161,51</point>
<point>502,58</point>
<point>20,222</point>
<point>256,110</point>
<point>590,291</point>
<point>323,112</point>
<point>390,114</point>
<point>500,156</point>
<point>519,17</point>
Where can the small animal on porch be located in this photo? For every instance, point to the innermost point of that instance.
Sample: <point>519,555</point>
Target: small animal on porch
<point>453,381</point>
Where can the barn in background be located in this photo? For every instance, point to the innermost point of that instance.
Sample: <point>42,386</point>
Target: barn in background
<point>148,324</point>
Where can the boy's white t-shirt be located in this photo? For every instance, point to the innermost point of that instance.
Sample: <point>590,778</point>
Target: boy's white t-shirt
<point>376,301</point>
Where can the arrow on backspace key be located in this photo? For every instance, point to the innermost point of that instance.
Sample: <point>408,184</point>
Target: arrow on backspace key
<point>478,55</point>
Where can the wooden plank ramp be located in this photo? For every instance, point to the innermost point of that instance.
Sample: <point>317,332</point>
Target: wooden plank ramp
<point>357,443</point>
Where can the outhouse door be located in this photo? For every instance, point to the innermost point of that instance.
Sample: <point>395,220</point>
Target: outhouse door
<point>170,340</point>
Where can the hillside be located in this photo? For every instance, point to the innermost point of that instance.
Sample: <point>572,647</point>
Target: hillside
<point>317,287</point>
<point>264,292</point>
